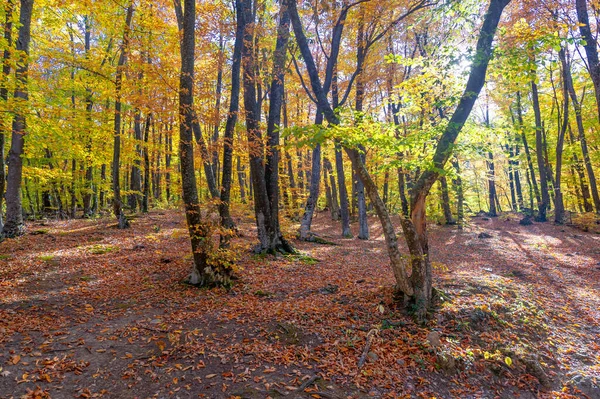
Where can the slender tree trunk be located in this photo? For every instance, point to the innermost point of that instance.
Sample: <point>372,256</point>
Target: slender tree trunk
<point>491,185</point>
<point>202,273</point>
<point>14,210</point>
<point>539,144</point>
<point>344,203</point>
<point>518,186</point>
<point>217,121</point>
<point>313,195</point>
<point>532,179</point>
<point>168,154</point>
<point>446,201</point>
<point>511,179</point>
<point>5,129</point>
<point>146,156</point>
<point>361,55</point>
<point>460,197</point>
<point>335,206</point>
<point>136,174</point>
<point>89,105</point>
<point>232,116</point>
<point>559,213</point>
<point>579,171</point>
<point>583,141</point>
<point>277,243</point>
<point>591,51</point>
<point>117,204</point>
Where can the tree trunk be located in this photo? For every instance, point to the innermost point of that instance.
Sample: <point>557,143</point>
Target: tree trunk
<point>446,201</point>
<point>5,129</point>
<point>559,212</point>
<point>146,191</point>
<point>591,50</point>
<point>202,273</point>
<point>539,144</point>
<point>277,243</point>
<point>361,55</point>
<point>532,179</point>
<point>136,173</point>
<point>460,197</point>
<point>492,185</point>
<point>117,204</point>
<point>341,181</point>
<point>313,195</point>
<point>579,171</point>
<point>14,210</point>
<point>232,116</point>
<point>583,141</point>
<point>335,206</point>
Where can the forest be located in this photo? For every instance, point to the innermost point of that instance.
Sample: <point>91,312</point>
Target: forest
<point>299,198</point>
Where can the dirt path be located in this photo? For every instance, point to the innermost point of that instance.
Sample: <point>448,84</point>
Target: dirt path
<point>90,311</point>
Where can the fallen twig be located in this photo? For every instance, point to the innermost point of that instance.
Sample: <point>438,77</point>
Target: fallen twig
<point>308,383</point>
<point>363,357</point>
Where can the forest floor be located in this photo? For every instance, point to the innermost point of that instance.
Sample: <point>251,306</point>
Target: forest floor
<point>89,311</point>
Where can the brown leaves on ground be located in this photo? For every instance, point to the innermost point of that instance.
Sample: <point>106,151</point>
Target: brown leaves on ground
<point>91,311</point>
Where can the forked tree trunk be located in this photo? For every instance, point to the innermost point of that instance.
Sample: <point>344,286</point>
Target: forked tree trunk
<point>417,287</point>
<point>202,273</point>
<point>14,210</point>
<point>265,179</point>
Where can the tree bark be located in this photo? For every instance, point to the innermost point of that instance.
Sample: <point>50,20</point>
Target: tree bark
<point>117,203</point>
<point>539,145</point>
<point>146,156</point>
<point>446,201</point>
<point>532,179</point>
<point>344,203</point>
<point>232,116</point>
<point>4,130</point>
<point>335,206</point>
<point>583,141</point>
<point>493,212</point>
<point>14,209</point>
<point>277,243</point>
<point>591,49</point>
<point>203,273</point>
<point>559,212</point>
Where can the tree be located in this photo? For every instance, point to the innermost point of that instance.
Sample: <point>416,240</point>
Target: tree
<point>417,287</point>
<point>14,208</point>
<point>116,163</point>
<point>203,273</point>
<point>265,179</point>
<point>4,130</point>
